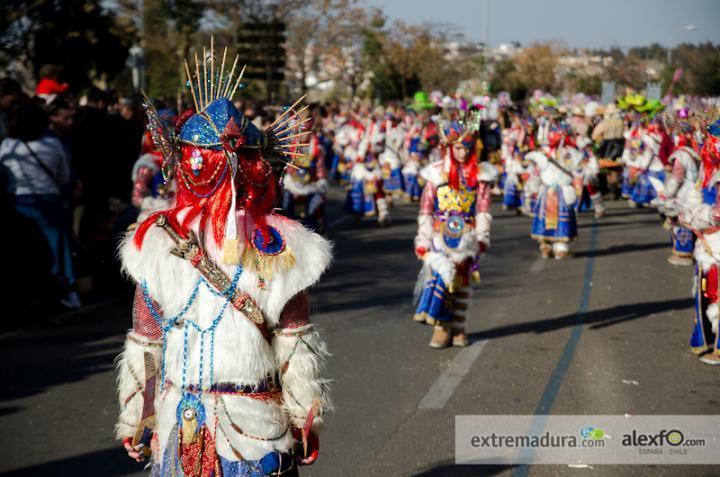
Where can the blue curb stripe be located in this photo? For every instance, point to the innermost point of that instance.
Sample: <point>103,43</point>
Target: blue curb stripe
<point>553,386</point>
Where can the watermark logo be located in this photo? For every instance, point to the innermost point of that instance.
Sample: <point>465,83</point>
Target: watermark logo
<point>577,439</point>
<point>673,437</point>
<point>592,433</point>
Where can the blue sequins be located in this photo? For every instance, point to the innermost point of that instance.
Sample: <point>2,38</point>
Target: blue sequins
<point>275,245</point>
<point>190,408</point>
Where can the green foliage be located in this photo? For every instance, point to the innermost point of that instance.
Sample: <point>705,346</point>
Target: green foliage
<point>80,35</point>
<point>383,84</point>
<point>700,64</point>
<point>588,84</point>
<point>353,46</point>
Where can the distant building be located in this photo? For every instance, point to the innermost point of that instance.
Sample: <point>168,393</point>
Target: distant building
<point>455,49</point>
<point>581,62</point>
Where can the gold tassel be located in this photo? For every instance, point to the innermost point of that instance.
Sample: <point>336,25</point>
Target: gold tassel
<point>265,265</point>
<point>231,251</point>
<point>189,430</point>
<point>287,259</point>
<point>248,257</point>
<point>476,276</point>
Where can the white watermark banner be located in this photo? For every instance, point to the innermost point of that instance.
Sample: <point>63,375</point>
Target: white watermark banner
<point>543,439</point>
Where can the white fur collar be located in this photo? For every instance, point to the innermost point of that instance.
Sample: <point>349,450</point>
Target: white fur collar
<point>707,258</point>
<point>362,173</point>
<point>389,157</point>
<point>170,278</point>
<point>316,187</point>
<point>433,173</point>
<point>468,247</point>
<point>488,172</point>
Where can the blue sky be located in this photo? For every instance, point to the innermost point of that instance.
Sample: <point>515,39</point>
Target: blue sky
<point>576,23</point>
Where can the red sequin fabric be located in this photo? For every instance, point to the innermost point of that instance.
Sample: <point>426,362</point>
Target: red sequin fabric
<point>199,458</point>
<point>296,312</point>
<point>143,322</point>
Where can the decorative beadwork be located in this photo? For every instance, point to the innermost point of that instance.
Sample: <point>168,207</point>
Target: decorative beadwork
<point>186,180</point>
<point>196,162</point>
<point>166,324</point>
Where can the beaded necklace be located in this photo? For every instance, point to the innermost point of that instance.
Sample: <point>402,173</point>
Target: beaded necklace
<point>209,180</point>
<point>166,324</point>
<point>190,412</point>
<point>212,191</point>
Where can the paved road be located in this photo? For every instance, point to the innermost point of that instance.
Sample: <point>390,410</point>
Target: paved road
<point>569,337</point>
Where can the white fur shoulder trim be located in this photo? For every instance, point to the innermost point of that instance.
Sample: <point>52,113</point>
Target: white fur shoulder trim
<point>707,251</point>
<point>317,187</point>
<point>170,277</point>
<point>487,172</point>
<point>433,173</point>
<point>362,173</point>
<point>537,157</point>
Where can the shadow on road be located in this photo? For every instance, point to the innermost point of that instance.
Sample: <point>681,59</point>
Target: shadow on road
<point>613,212</point>
<point>597,319</point>
<point>628,248</point>
<point>107,462</point>
<point>60,356</point>
<point>610,223</point>
<point>448,469</point>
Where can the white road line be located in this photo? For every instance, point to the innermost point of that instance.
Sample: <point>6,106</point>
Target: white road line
<point>445,385</point>
<point>538,265</point>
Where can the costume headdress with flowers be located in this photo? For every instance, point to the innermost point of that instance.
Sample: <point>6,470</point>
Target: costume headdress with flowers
<point>462,130</point>
<point>218,157</point>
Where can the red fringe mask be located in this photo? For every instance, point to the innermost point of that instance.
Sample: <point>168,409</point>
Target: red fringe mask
<point>207,192</point>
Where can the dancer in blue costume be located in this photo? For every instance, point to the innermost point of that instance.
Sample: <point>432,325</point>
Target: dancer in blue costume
<point>554,224</point>
<point>703,218</point>
<point>453,230</point>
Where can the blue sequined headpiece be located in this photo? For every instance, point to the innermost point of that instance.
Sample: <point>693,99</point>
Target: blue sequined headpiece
<point>205,128</point>
<point>457,132</point>
<point>463,130</point>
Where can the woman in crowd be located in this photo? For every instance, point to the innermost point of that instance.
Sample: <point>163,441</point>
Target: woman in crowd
<point>37,171</point>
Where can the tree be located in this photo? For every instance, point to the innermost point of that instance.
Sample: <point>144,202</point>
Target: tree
<point>630,72</point>
<point>535,67</point>
<point>505,78</point>
<point>405,49</point>
<point>319,32</point>
<point>79,35</point>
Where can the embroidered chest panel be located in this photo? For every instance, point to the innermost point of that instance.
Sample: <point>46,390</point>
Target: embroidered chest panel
<point>452,200</point>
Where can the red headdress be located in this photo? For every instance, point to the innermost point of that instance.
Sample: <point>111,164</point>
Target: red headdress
<point>463,131</point>
<point>221,161</point>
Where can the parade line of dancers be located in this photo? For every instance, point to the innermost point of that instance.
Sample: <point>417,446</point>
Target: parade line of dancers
<point>550,162</point>
<point>221,373</point>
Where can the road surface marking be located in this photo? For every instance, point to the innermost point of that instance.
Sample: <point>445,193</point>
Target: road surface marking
<point>445,385</point>
<point>553,386</point>
<point>538,265</point>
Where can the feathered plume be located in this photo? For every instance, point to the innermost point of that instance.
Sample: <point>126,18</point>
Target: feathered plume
<point>163,138</point>
<point>284,136</point>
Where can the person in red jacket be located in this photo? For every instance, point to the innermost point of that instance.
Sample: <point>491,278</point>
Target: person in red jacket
<point>49,86</point>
